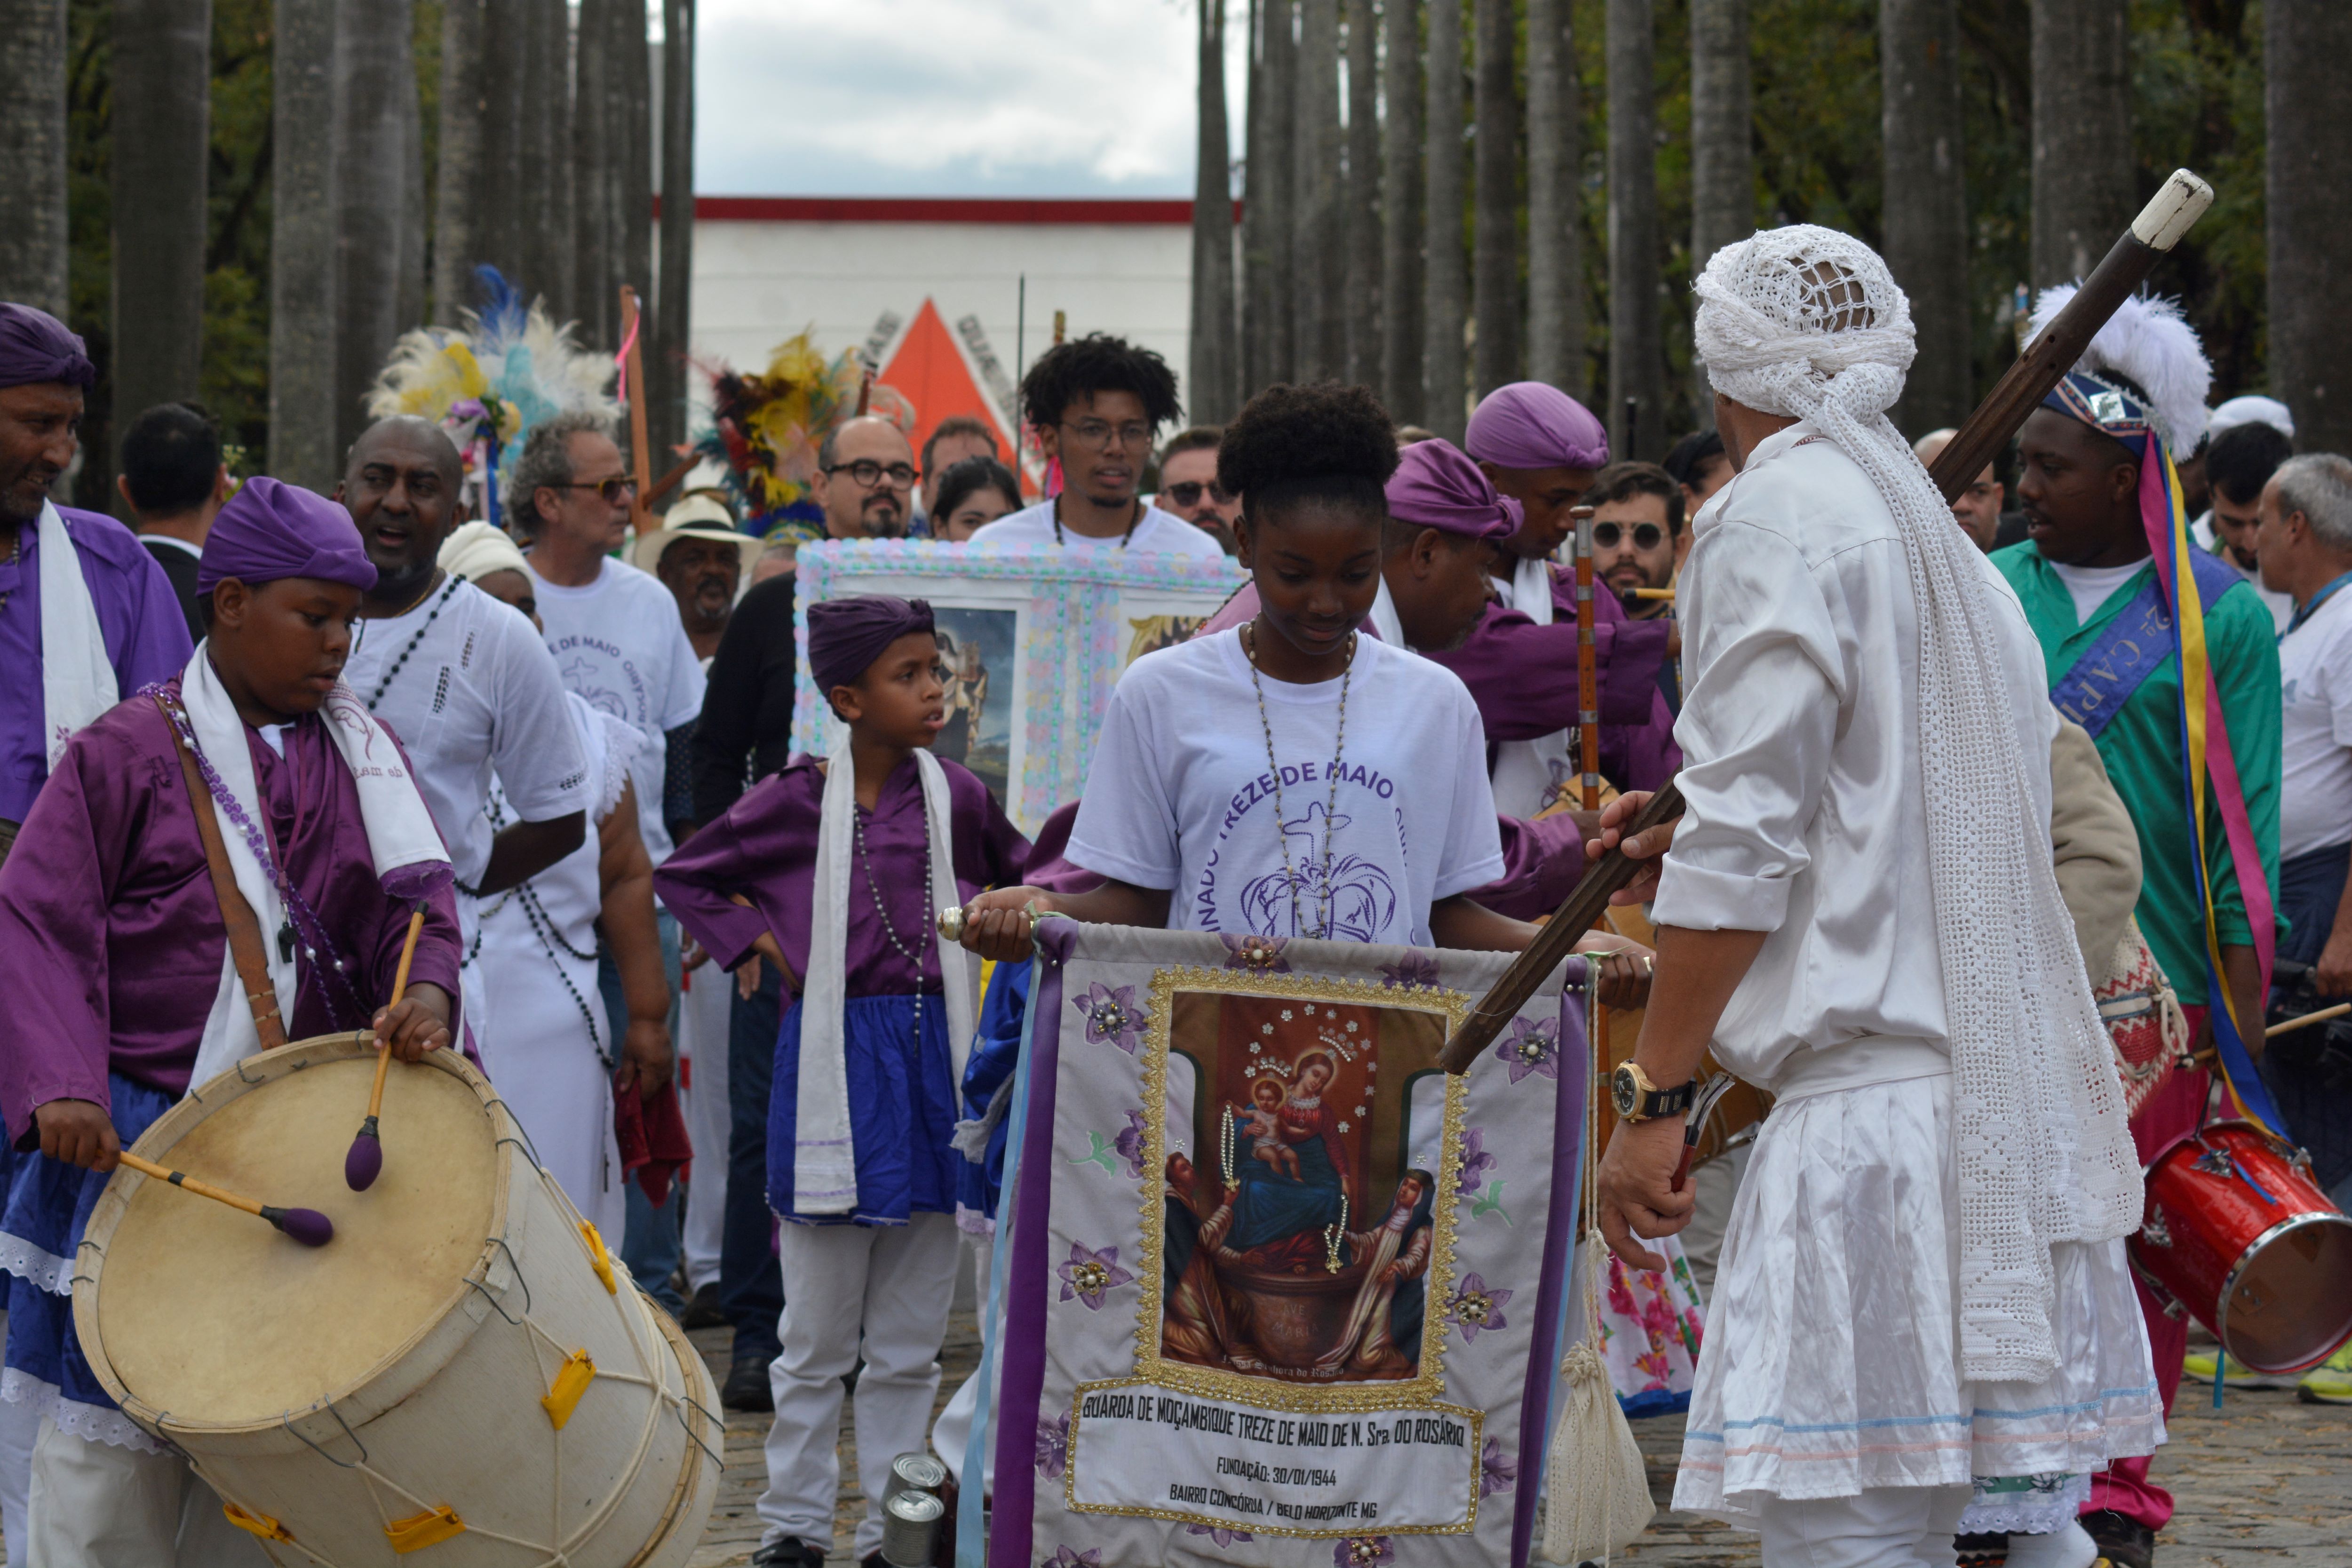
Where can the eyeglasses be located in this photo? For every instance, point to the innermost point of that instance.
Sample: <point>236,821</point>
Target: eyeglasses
<point>1646,535</point>
<point>869,473</point>
<point>614,490</point>
<point>1189,494</point>
<point>1104,437</point>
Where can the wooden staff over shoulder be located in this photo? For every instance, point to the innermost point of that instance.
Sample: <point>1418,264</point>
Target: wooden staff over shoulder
<point>2048,358</point>
<point>1588,677</point>
<point>633,377</point>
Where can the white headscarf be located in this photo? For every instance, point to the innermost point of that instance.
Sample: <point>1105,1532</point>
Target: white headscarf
<point>1809,322</point>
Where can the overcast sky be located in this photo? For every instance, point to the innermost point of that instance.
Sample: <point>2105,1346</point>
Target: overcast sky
<point>950,97</point>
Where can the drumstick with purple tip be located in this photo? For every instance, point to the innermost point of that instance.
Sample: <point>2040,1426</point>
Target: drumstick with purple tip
<point>308,1226</point>
<point>365,1161</point>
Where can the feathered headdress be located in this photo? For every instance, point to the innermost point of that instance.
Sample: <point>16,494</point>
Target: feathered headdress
<point>509,369</point>
<point>766,429</point>
<point>2151,346</point>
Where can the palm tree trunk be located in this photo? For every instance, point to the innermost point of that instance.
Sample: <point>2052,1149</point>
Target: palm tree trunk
<point>1446,297</point>
<point>1361,302</point>
<point>374,68</point>
<point>303,316</point>
<point>1723,177</point>
<point>2082,184</point>
<point>1209,369</point>
<point>1317,275</point>
<point>457,177</point>
<point>503,210</point>
<point>546,165</point>
<point>595,183</point>
<point>665,371</point>
<point>1401,219</point>
<point>1496,229</point>
<point>1555,232</point>
<point>1636,357</point>
<point>162,121</point>
<point>1266,214</point>
<point>633,154</point>
<point>2304,44</point>
<point>1927,204</point>
<point>33,242</point>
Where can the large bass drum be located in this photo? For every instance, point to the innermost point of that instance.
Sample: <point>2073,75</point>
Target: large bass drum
<point>462,1367</point>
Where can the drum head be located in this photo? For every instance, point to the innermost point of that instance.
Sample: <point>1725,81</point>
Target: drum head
<point>2291,1304</point>
<point>212,1315</point>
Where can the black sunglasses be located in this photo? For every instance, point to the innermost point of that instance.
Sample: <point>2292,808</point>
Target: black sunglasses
<point>614,490</point>
<point>1189,493</point>
<point>1646,535</point>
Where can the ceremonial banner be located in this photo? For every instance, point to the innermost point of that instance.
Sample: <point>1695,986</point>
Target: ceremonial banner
<point>1279,1289</point>
<point>1033,645</point>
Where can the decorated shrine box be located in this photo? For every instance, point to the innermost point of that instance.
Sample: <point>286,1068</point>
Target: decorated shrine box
<point>1276,1289</point>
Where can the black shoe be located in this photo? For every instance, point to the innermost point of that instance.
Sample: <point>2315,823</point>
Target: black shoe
<point>747,1389</point>
<point>1981,1550</point>
<point>2122,1541</point>
<point>873,1559</point>
<point>702,1311</point>
<point>791,1552</point>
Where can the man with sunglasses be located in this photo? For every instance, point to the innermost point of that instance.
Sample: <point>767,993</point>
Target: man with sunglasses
<point>1637,533</point>
<point>1188,484</point>
<point>1096,402</point>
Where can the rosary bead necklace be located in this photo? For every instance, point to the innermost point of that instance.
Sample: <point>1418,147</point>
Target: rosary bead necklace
<point>1331,802</point>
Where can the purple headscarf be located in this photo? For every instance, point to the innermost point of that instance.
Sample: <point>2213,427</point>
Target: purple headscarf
<point>34,346</point>
<point>1436,487</point>
<point>1530,425</point>
<point>846,635</point>
<point>270,530</point>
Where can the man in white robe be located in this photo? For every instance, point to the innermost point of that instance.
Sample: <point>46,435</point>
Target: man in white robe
<point>1923,1278</point>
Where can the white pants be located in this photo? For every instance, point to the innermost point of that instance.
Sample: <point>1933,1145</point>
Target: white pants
<point>95,1505</point>
<point>951,1433</point>
<point>1714,1186</point>
<point>704,1009</point>
<point>543,1061</point>
<point>20,1427</point>
<point>890,1285</point>
<point>1885,1527</point>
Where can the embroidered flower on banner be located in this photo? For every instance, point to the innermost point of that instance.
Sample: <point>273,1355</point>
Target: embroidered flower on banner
<point>1496,1473</point>
<point>1414,969</point>
<point>1531,1047</point>
<point>1066,1558</point>
<point>1262,953</point>
<point>1476,1162</point>
<point>1113,1017</point>
<point>1087,1275</point>
<point>1362,1552</point>
<point>1129,1143</point>
<point>1474,1307</point>
<point>1054,1447</point>
<point>1218,1534</point>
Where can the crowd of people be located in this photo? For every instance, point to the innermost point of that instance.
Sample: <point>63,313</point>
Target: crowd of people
<point>1889,709</point>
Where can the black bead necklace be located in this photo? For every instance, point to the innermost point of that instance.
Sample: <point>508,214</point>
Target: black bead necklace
<point>438,605</point>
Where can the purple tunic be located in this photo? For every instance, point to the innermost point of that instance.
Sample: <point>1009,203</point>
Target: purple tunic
<point>111,936</point>
<point>765,849</point>
<point>139,617</point>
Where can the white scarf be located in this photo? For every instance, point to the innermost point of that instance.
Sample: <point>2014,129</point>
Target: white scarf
<point>399,828</point>
<point>1527,771</point>
<point>1385,624</point>
<point>1809,322</point>
<point>825,1157</point>
<point>76,682</point>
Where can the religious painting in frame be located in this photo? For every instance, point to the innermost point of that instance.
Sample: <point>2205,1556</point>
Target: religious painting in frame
<point>1030,642</point>
<point>1279,1289</point>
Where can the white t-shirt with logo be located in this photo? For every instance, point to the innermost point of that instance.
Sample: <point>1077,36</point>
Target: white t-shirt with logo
<point>1181,797</point>
<point>2316,730</point>
<point>477,691</point>
<point>1156,533</point>
<point>618,642</point>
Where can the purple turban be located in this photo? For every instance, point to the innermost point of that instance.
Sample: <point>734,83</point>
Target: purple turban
<point>35,346</point>
<point>1529,425</point>
<point>846,635</point>
<point>1436,487</point>
<point>269,529</point>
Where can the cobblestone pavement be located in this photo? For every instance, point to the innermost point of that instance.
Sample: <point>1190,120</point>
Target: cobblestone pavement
<point>2265,1482</point>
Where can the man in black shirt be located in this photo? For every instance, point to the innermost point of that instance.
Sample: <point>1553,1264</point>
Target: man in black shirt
<point>173,481</point>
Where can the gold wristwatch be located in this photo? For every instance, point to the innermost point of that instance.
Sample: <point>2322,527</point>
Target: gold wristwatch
<point>1636,1098</point>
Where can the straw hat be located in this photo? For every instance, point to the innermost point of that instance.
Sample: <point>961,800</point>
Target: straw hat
<point>699,514</point>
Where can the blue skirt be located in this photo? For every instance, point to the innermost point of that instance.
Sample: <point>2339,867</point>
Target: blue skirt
<point>48,1206</point>
<point>995,1053</point>
<point>901,1111</point>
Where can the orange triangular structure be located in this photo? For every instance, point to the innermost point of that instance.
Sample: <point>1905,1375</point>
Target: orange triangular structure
<point>929,368</point>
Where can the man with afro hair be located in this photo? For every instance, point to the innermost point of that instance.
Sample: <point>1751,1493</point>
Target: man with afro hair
<point>1096,403</point>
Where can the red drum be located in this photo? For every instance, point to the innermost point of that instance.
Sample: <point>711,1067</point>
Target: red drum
<point>2239,1234</point>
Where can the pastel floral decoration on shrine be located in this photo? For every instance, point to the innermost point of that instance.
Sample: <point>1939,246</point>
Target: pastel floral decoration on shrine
<point>1054,1447</point>
<point>1531,1047</point>
<point>1496,1472</point>
<point>1218,1534</point>
<point>1476,1162</point>
<point>1262,953</point>
<point>1113,1017</point>
<point>1416,970</point>
<point>1362,1552</point>
<point>1089,1275</point>
<point>1476,1308</point>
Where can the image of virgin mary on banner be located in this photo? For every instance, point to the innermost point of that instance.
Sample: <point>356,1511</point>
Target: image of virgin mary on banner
<point>1278,1288</point>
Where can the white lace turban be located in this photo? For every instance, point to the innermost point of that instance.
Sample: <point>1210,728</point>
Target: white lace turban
<point>1794,317</point>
